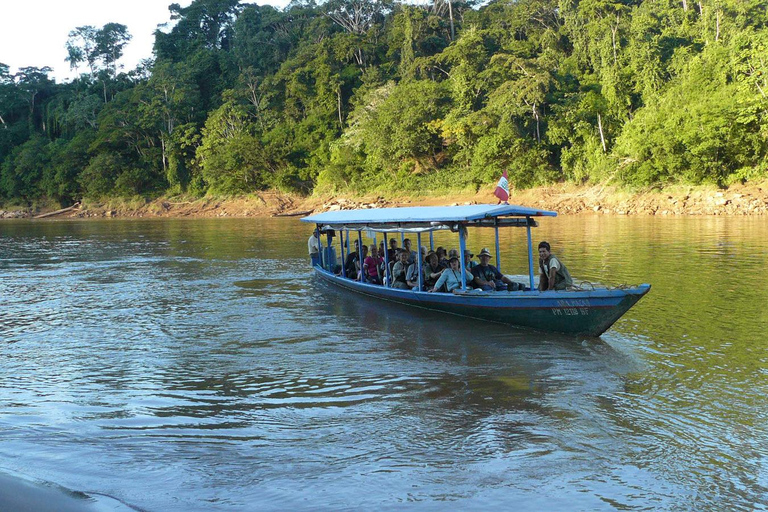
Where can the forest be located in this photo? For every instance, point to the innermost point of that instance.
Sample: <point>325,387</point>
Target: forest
<point>382,96</point>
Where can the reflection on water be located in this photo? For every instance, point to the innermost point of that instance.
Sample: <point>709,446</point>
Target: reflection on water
<point>196,365</point>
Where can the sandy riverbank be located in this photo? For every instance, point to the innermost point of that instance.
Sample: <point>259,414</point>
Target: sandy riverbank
<point>738,200</point>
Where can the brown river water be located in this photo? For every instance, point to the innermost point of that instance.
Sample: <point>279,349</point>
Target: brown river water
<point>196,365</point>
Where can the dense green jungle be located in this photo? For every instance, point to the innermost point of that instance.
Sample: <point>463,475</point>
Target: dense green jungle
<point>376,95</point>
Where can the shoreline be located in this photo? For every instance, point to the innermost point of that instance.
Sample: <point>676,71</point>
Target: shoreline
<point>737,200</point>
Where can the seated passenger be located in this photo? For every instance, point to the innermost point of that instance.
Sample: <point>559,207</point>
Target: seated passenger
<point>412,277</point>
<point>442,258</point>
<point>487,277</point>
<point>554,275</point>
<point>450,279</point>
<point>393,249</point>
<point>359,263</point>
<point>468,260</point>
<point>372,267</point>
<point>433,270</point>
<point>350,264</point>
<point>400,271</point>
<point>407,248</point>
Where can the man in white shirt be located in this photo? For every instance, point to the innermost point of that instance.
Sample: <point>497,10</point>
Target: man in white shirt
<point>313,244</point>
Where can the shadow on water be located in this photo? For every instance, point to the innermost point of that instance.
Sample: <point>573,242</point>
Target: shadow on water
<point>19,494</point>
<point>500,362</point>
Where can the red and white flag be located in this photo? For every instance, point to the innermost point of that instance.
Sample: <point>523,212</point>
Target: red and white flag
<point>502,189</point>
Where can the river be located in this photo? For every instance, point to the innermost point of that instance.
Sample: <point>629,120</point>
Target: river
<point>195,365</point>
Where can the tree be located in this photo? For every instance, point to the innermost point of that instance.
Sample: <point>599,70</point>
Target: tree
<point>204,24</point>
<point>399,122</point>
<point>82,47</point>
<point>33,83</point>
<point>100,48</point>
<point>231,158</point>
<point>110,42</point>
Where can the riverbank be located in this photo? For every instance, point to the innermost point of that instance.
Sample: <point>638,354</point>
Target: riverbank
<point>751,199</point>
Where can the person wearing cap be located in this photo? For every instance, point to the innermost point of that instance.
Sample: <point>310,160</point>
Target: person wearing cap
<point>487,277</point>
<point>313,244</point>
<point>450,279</point>
<point>453,253</point>
<point>554,275</point>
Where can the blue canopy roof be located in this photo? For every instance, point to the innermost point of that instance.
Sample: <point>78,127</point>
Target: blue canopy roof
<point>425,214</point>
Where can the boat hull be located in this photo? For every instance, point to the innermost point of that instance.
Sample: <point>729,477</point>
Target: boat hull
<point>583,313</point>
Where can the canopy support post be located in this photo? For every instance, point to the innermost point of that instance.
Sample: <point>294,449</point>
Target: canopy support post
<point>327,264</point>
<point>386,261</point>
<point>346,257</point>
<point>530,253</point>
<point>419,262</point>
<point>341,251</point>
<point>319,245</point>
<point>498,252</point>
<point>431,241</point>
<point>462,248</point>
<point>360,255</point>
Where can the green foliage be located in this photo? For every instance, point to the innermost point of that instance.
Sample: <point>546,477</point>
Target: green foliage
<point>68,158</point>
<point>704,127</point>
<point>399,122</point>
<point>22,170</point>
<point>371,95</point>
<point>98,178</point>
<point>231,158</point>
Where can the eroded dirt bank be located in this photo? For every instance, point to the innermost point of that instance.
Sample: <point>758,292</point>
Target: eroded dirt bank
<point>565,199</point>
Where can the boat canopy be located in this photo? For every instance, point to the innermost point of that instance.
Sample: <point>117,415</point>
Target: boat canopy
<point>429,217</point>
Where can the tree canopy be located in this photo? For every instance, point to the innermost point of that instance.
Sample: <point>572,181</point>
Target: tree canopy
<point>364,95</point>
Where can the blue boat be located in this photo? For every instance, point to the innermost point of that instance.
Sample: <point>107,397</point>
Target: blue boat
<point>583,312</point>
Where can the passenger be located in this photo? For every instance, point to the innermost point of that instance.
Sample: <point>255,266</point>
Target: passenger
<point>400,271</point>
<point>487,277</point>
<point>442,258</point>
<point>372,267</point>
<point>433,270</point>
<point>450,279</point>
<point>313,245</point>
<point>359,263</point>
<point>382,268</point>
<point>329,254</point>
<point>468,260</point>
<point>393,250</point>
<point>554,275</point>
<point>412,277</point>
<point>407,247</point>
<point>351,263</point>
